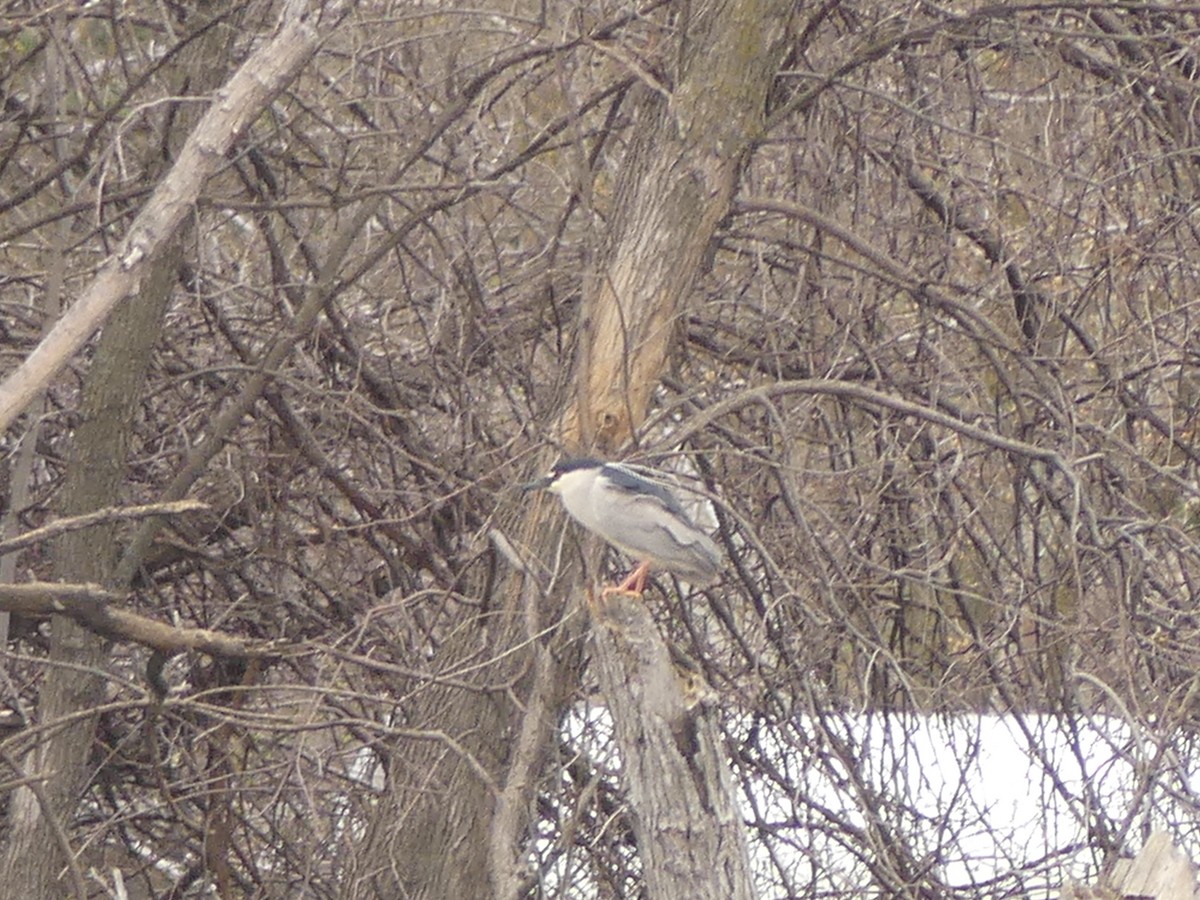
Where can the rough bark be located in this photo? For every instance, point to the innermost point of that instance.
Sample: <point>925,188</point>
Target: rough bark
<point>32,861</point>
<point>686,821</point>
<point>679,182</point>
<point>451,821</point>
<point>141,274</point>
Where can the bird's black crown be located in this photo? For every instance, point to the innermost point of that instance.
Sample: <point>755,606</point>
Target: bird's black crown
<point>563,466</point>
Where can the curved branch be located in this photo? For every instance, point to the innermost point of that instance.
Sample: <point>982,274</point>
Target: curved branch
<point>853,391</point>
<point>99,517</point>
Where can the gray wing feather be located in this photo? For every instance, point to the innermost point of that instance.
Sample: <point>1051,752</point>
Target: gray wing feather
<point>679,545</point>
<point>630,481</point>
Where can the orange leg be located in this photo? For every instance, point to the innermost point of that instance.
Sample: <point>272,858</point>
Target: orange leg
<point>634,585</point>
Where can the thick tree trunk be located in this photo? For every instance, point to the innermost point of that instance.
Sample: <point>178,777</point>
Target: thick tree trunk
<point>35,857</point>
<point>678,184</point>
<point>33,860</point>
<point>452,817</point>
<point>686,820</point>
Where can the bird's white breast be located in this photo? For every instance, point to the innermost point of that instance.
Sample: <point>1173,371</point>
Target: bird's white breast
<point>575,489</point>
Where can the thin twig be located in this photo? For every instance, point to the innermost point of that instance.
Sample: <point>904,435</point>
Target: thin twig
<point>99,517</point>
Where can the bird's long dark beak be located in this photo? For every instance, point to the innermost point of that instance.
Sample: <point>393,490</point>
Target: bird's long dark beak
<point>539,485</point>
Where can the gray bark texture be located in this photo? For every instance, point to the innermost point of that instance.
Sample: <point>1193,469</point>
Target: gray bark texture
<point>32,860</point>
<point>136,285</point>
<point>453,817</point>
<point>678,184</point>
<point>686,820</point>
<point>454,812</point>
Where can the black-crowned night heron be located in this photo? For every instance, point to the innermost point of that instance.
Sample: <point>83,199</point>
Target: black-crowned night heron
<point>633,509</point>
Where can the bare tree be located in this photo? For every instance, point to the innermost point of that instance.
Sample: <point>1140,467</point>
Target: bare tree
<point>905,295</point>
<point>74,685</point>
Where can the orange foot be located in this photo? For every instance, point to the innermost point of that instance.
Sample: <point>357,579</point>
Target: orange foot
<point>633,586</point>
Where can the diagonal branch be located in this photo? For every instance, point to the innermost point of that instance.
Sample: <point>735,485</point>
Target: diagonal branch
<point>99,517</point>
<point>235,107</point>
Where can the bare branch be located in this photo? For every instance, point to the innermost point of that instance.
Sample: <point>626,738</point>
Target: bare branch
<point>260,78</point>
<point>92,606</point>
<point>99,517</point>
<point>34,783</point>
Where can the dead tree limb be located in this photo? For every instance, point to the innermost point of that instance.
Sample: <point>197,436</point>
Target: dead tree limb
<point>99,517</point>
<point>93,607</point>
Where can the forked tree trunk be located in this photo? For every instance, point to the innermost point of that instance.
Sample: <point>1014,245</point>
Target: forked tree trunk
<point>453,807</point>
<point>678,183</point>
